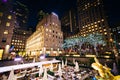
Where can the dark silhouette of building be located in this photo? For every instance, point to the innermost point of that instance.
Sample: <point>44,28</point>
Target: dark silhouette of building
<point>69,23</point>
<point>115,33</point>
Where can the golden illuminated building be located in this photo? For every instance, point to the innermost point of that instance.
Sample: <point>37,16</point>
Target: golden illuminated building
<point>47,38</point>
<point>92,18</point>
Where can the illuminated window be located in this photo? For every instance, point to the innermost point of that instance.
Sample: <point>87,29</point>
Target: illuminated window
<point>105,33</point>
<point>84,34</point>
<point>46,29</point>
<point>50,30</point>
<point>95,22</point>
<point>92,29</point>
<point>104,29</point>
<point>88,3</point>
<point>53,23</point>
<point>102,20</point>
<point>95,25</point>
<point>6,32</point>
<point>91,23</point>
<point>8,24</point>
<point>92,26</point>
<point>98,3</point>
<point>89,28</point>
<point>1,14</point>
<point>98,21</point>
<point>9,17</point>
<point>24,21</point>
<point>100,30</point>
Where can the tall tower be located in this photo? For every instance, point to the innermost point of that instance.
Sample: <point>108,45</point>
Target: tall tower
<point>69,23</point>
<point>47,38</point>
<point>92,18</point>
<point>7,23</point>
<point>20,32</point>
<point>21,11</point>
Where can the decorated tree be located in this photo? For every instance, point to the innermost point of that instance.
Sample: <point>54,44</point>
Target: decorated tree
<point>95,39</point>
<point>81,41</point>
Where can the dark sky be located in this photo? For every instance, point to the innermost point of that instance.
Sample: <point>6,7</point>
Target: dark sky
<point>57,6</point>
<point>112,8</point>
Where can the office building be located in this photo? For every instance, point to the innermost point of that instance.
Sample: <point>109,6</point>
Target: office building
<point>69,23</point>
<point>7,24</point>
<point>48,37</point>
<point>92,19</point>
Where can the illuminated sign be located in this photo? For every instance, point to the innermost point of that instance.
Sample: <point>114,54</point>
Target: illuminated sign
<point>1,53</point>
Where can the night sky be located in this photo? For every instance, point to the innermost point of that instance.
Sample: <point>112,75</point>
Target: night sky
<point>112,8</point>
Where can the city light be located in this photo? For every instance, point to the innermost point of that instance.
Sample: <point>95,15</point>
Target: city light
<point>17,59</point>
<point>54,14</point>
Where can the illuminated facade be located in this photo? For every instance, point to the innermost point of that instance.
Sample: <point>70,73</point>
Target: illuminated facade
<point>19,39</point>
<point>92,19</point>
<point>47,38</point>
<point>7,24</point>
<point>20,33</point>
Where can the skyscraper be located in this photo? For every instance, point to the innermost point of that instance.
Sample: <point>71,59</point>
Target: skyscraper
<point>21,11</point>
<point>20,32</point>
<point>92,18</point>
<point>7,24</point>
<point>47,38</point>
<point>13,23</point>
<point>69,23</point>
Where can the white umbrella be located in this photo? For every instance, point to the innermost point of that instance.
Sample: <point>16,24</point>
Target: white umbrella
<point>76,66</point>
<point>51,67</point>
<point>73,61</point>
<point>45,74</point>
<point>40,70</point>
<point>33,60</point>
<point>12,76</point>
<point>62,64</point>
<point>60,70</point>
<point>66,62</point>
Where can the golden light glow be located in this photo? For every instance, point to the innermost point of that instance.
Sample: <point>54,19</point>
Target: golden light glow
<point>7,24</point>
<point>1,53</point>
<point>9,17</point>
<point>6,32</point>
<point>89,55</point>
<point>105,33</point>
